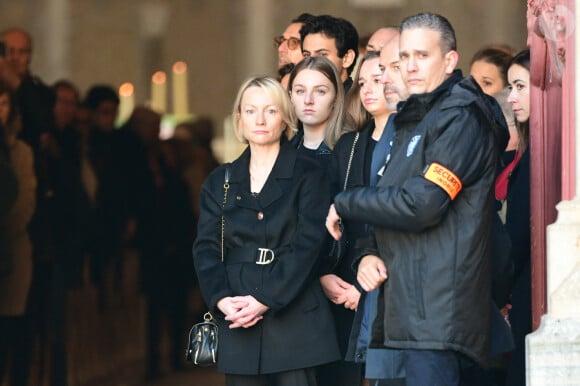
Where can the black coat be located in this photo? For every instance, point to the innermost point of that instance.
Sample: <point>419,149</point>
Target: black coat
<point>518,226</point>
<point>288,217</point>
<point>8,194</point>
<point>437,250</point>
<point>358,177</point>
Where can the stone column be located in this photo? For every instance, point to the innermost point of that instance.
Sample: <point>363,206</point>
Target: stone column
<point>54,36</point>
<point>153,23</point>
<point>553,351</point>
<point>258,38</point>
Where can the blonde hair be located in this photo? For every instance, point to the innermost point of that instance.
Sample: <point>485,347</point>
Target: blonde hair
<point>337,124</point>
<point>279,96</point>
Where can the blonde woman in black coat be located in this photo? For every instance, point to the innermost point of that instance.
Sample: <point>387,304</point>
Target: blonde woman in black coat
<point>275,323</point>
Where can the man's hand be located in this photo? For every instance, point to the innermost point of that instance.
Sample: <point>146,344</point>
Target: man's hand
<point>372,272</point>
<point>334,287</point>
<point>249,315</point>
<point>350,298</point>
<point>332,223</point>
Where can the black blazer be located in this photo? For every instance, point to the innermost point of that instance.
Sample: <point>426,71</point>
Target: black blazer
<point>358,177</point>
<point>287,217</point>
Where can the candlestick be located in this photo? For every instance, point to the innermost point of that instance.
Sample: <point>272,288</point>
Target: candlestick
<point>180,96</point>
<point>126,102</point>
<point>159,92</point>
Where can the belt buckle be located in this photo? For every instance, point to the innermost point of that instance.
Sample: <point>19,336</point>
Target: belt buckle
<point>265,256</point>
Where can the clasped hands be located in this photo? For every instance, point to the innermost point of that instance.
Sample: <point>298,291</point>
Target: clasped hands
<point>339,291</point>
<point>242,311</point>
<point>372,271</point>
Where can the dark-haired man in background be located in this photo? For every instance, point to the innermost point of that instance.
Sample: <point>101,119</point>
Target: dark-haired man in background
<point>335,38</point>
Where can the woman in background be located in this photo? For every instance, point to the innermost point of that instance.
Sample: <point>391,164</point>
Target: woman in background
<point>371,105</point>
<point>317,94</point>
<point>512,189</point>
<point>488,67</point>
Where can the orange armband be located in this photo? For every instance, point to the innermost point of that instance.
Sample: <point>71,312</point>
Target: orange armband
<point>444,178</point>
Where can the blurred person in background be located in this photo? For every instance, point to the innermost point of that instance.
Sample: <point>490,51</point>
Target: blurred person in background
<point>16,339</point>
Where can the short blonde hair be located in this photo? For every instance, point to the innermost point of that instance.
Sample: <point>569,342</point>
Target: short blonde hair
<point>279,96</point>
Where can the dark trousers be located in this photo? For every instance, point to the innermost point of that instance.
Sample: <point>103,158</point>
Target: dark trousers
<point>299,377</point>
<point>57,328</point>
<point>16,342</point>
<point>339,373</point>
<point>431,367</point>
<point>387,382</point>
<point>173,306</point>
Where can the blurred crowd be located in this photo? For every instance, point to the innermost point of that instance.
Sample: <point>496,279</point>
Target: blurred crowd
<point>77,192</point>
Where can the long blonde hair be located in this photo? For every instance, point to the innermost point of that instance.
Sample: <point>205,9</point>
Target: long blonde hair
<point>337,124</point>
<point>356,113</point>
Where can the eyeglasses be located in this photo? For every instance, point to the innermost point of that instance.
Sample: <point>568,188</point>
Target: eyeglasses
<point>293,43</point>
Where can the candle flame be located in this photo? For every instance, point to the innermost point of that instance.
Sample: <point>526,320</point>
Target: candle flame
<point>126,89</point>
<point>179,67</point>
<point>159,77</point>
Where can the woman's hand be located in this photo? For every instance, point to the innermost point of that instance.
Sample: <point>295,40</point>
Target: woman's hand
<point>230,305</point>
<point>248,315</point>
<point>333,223</point>
<point>334,287</point>
<point>350,298</point>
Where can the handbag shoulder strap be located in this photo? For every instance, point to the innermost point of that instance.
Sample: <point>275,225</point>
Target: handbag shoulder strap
<point>350,160</point>
<point>226,187</point>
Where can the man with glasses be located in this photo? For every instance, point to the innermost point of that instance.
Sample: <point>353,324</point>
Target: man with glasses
<point>288,44</point>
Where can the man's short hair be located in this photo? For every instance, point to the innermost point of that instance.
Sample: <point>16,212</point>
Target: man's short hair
<point>341,30</point>
<point>66,84</point>
<point>99,94</point>
<point>303,18</point>
<point>434,22</point>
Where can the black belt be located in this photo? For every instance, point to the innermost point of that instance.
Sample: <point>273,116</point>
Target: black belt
<point>260,256</point>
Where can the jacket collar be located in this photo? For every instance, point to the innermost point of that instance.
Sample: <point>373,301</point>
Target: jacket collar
<point>298,141</point>
<point>418,105</point>
<point>272,190</point>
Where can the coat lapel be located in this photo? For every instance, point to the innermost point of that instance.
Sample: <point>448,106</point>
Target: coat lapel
<point>282,170</point>
<point>274,187</point>
<point>240,182</point>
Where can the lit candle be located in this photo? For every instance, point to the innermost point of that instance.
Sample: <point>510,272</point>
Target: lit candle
<point>126,102</point>
<point>180,97</point>
<point>159,92</point>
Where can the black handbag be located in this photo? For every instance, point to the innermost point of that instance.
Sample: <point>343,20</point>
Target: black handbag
<point>202,348</point>
<point>202,344</point>
<point>338,249</point>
